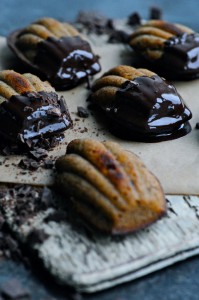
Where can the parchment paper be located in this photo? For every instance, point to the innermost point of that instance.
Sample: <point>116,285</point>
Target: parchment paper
<point>175,163</point>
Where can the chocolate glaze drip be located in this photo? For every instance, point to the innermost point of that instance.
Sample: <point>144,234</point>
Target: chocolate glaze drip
<point>149,109</point>
<point>181,56</point>
<point>66,61</point>
<point>26,119</point>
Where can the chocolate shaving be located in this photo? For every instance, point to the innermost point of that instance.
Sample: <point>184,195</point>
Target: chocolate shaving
<point>39,153</point>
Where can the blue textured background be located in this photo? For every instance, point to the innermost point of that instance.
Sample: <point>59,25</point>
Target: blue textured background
<point>17,13</point>
<point>179,282</point>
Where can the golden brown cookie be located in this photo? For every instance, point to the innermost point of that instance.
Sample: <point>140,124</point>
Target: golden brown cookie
<point>31,113</point>
<point>55,51</point>
<point>110,188</point>
<point>140,105</point>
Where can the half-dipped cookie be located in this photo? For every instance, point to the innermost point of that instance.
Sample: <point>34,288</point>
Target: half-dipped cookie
<point>55,51</point>
<point>31,112</point>
<point>172,50</point>
<point>108,187</point>
<point>140,105</point>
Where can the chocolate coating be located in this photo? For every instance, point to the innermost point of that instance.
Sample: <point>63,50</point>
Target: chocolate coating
<point>65,62</point>
<point>148,109</point>
<point>171,50</point>
<point>181,56</point>
<point>26,119</point>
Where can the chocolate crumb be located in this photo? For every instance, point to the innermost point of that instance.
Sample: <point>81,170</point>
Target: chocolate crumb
<point>28,109</point>
<point>13,289</point>
<point>49,164</point>
<point>155,13</point>
<point>82,112</point>
<point>84,130</point>
<point>118,36</point>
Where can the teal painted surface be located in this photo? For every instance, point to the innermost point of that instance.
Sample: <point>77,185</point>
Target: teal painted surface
<point>18,13</point>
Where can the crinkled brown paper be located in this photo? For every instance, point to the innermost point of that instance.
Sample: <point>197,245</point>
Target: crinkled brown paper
<point>175,162</point>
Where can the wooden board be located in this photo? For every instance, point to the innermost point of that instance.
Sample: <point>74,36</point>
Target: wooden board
<point>90,262</point>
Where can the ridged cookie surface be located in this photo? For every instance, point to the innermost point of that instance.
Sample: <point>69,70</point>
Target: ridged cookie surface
<point>111,189</point>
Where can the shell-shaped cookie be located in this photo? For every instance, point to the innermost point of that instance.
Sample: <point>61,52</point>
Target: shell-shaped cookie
<point>30,109</point>
<point>170,49</point>
<point>55,51</point>
<point>110,188</point>
<point>140,105</point>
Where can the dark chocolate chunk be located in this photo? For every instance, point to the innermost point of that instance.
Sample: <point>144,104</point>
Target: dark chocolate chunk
<point>39,153</point>
<point>82,112</point>
<point>95,22</point>
<point>55,52</point>
<point>134,19</point>
<point>146,108</point>
<point>57,217</point>
<point>48,164</point>
<point>13,289</point>
<point>155,13</point>
<point>118,36</point>
<point>29,164</point>
<point>36,237</point>
<point>197,125</point>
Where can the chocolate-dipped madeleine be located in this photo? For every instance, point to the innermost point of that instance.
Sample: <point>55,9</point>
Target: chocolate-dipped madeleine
<point>172,50</point>
<point>140,105</point>
<point>110,188</point>
<point>31,112</point>
<point>55,51</point>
